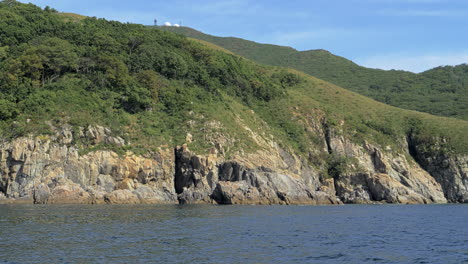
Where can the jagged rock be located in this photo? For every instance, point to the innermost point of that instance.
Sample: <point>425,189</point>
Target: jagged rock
<point>148,195</point>
<point>195,176</point>
<point>143,194</point>
<point>67,192</point>
<point>328,187</point>
<point>41,194</point>
<point>126,184</point>
<point>61,191</point>
<point>201,179</point>
<point>188,138</point>
<point>50,170</point>
<point>26,163</point>
<point>383,178</point>
<point>451,172</point>
<point>366,188</point>
<point>121,197</point>
<point>106,181</point>
<point>97,194</point>
<point>189,196</point>
<point>66,135</point>
<point>321,198</point>
<point>237,193</point>
<point>99,134</point>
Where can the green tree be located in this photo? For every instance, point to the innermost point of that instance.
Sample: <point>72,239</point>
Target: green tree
<point>174,66</point>
<point>3,53</point>
<point>8,109</point>
<point>112,72</point>
<point>151,80</point>
<point>57,56</point>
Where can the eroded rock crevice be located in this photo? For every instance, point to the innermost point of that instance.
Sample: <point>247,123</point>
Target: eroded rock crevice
<point>328,135</point>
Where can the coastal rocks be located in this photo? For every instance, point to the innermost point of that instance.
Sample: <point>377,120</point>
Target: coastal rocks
<point>61,191</point>
<point>375,177</point>
<point>140,195</point>
<point>237,193</point>
<point>366,188</point>
<point>208,179</point>
<point>195,176</point>
<point>121,197</point>
<point>271,188</point>
<point>49,169</point>
<point>48,172</point>
<point>41,194</point>
<point>451,172</point>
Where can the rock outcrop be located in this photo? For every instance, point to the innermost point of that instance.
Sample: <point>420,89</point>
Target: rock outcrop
<point>375,176</point>
<point>264,177</point>
<point>49,169</point>
<point>449,170</point>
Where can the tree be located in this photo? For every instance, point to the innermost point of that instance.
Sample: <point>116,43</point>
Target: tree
<point>8,110</point>
<point>174,66</point>
<point>135,40</point>
<point>146,57</point>
<point>57,56</point>
<point>14,28</point>
<point>112,72</point>
<point>151,81</point>
<point>3,52</point>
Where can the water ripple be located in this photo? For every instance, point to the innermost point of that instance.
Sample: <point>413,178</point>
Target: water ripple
<point>234,234</point>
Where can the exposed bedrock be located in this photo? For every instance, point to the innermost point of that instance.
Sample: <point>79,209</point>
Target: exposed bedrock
<point>450,171</point>
<point>207,179</point>
<point>46,171</point>
<point>49,169</point>
<point>377,177</point>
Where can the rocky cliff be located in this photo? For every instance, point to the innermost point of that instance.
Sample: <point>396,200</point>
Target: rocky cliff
<point>49,169</point>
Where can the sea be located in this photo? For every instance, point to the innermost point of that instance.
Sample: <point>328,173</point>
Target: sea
<point>233,234</point>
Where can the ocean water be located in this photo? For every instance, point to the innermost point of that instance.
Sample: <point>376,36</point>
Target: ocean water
<point>234,234</point>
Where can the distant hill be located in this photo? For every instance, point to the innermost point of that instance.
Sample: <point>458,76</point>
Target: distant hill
<point>440,91</point>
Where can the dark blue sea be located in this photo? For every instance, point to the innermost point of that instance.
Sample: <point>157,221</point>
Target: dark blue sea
<point>234,234</point>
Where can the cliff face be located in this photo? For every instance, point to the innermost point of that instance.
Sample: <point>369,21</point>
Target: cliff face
<point>385,177</point>
<point>262,179</point>
<point>449,170</point>
<point>50,170</point>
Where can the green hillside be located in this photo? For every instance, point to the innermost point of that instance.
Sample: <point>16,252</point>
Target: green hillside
<point>152,87</point>
<point>440,91</point>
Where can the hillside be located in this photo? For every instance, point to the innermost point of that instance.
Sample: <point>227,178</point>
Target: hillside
<point>440,91</point>
<point>95,111</point>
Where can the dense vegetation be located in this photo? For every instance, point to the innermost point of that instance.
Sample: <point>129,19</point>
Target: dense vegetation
<point>152,87</point>
<point>440,91</point>
<point>91,70</point>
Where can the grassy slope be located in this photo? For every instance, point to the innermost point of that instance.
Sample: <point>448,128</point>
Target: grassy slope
<point>441,91</point>
<point>365,119</point>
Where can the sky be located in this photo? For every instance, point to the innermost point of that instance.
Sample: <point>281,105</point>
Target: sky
<point>412,35</point>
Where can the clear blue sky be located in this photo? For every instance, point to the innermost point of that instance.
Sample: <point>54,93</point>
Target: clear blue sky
<point>413,35</point>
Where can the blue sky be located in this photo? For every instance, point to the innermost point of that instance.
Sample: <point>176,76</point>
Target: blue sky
<point>413,35</point>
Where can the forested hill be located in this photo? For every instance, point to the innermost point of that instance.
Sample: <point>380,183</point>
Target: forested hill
<point>87,70</point>
<point>147,84</point>
<point>440,91</point>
